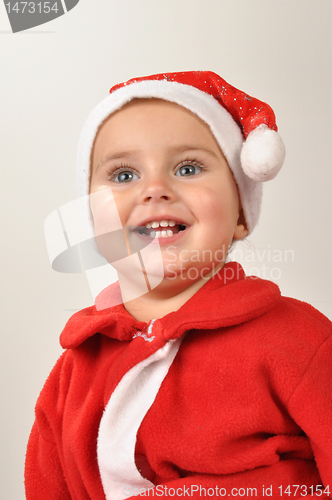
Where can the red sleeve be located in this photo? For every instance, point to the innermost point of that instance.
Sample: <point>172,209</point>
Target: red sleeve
<point>44,477</point>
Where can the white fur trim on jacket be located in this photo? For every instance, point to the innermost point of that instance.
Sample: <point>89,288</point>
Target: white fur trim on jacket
<point>122,418</point>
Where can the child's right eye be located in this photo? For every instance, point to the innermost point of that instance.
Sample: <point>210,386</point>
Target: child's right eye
<point>123,176</point>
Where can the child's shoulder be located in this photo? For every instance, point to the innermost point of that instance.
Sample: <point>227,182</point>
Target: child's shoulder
<point>307,311</point>
<point>287,309</point>
<point>296,328</point>
<point>265,315</point>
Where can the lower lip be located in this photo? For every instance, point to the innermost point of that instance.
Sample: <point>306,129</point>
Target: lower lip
<point>163,240</point>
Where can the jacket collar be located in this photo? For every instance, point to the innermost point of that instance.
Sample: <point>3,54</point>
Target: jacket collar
<point>229,298</point>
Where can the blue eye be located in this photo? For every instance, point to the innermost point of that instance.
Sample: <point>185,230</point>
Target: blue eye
<point>188,169</point>
<point>124,176</point>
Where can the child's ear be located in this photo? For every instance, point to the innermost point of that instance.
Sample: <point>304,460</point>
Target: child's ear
<point>241,230</point>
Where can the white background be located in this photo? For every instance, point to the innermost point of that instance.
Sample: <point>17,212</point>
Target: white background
<point>51,76</point>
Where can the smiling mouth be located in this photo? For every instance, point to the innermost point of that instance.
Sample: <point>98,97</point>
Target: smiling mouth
<point>161,229</point>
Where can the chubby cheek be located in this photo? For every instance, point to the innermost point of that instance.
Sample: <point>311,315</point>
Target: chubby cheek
<point>108,215</point>
<point>120,202</point>
<point>219,208</point>
<point>124,208</point>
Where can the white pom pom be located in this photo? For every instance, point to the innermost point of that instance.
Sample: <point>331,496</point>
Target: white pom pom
<point>262,154</point>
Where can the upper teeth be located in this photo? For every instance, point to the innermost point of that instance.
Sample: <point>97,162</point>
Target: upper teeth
<point>162,223</point>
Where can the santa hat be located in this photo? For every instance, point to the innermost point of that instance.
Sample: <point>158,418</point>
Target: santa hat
<point>244,127</point>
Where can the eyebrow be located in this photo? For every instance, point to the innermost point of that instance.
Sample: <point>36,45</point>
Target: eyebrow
<point>117,156</point>
<point>188,147</point>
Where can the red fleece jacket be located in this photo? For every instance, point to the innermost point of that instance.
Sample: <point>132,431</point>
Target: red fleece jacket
<point>246,402</point>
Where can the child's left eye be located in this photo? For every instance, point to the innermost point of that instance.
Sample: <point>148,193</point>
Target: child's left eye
<point>187,169</point>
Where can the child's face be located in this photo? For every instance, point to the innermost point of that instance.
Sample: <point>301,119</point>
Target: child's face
<point>164,166</point>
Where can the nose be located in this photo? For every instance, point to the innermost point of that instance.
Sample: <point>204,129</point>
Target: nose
<point>156,189</point>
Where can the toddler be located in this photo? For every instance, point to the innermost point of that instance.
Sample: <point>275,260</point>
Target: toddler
<point>209,383</point>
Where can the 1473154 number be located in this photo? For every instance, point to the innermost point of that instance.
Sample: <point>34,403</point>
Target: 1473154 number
<point>303,490</point>
<point>32,7</point>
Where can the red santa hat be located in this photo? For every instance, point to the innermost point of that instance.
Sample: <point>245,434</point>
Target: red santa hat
<point>244,127</point>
